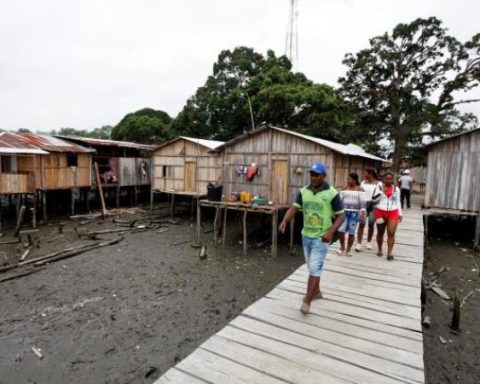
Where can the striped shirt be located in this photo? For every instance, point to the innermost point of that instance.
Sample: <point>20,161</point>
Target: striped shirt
<point>353,200</point>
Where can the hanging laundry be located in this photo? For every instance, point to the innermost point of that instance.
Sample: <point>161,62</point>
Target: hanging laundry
<point>239,170</point>
<point>252,171</point>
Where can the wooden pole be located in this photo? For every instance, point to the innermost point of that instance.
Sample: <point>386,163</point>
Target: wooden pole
<point>117,197</point>
<point>477,233</point>
<point>224,235</point>
<point>151,199</point>
<point>100,190</point>
<point>199,222</point>
<point>274,233</point>
<point>172,205</point>
<point>72,202</point>
<point>19,220</point>
<point>215,226</point>
<point>244,232</point>
<point>44,205</point>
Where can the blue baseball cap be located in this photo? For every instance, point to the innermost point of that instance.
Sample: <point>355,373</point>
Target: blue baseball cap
<point>318,168</point>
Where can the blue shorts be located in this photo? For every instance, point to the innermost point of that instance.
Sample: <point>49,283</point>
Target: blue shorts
<point>315,251</point>
<point>350,223</point>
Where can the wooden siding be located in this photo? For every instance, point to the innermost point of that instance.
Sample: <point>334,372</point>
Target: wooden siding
<point>453,175</point>
<point>17,183</point>
<point>168,167</point>
<point>22,176</point>
<point>130,171</point>
<point>58,175</point>
<point>270,145</point>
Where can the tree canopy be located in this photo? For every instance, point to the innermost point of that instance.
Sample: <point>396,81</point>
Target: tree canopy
<point>103,132</point>
<point>246,83</point>
<point>144,126</point>
<point>404,86</point>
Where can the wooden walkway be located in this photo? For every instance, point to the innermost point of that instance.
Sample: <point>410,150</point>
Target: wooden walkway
<point>367,329</point>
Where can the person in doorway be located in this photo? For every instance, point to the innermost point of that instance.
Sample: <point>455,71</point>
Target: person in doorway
<point>388,213</point>
<point>353,200</point>
<point>369,184</point>
<point>405,183</point>
<point>322,216</point>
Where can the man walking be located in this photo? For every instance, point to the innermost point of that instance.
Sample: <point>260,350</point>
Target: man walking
<point>322,216</point>
<point>405,183</point>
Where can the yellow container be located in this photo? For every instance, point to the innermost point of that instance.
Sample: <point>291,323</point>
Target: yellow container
<point>245,197</point>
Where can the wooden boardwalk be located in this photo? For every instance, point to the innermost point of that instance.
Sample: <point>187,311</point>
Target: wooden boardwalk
<point>367,329</point>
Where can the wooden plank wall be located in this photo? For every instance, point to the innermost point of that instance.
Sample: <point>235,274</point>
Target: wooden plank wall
<point>16,183</point>
<point>174,156</point>
<point>453,175</point>
<point>271,145</point>
<point>130,171</point>
<point>57,175</point>
<point>419,176</point>
<point>21,179</point>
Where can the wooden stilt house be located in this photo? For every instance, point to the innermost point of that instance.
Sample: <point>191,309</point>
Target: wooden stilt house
<point>185,164</point>
<point>282,159</point>
<point>453,177</point>
<point>122,165</point>
<point>20,165</point>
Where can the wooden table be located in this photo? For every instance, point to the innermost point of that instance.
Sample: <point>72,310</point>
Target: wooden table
<point>272,210</point>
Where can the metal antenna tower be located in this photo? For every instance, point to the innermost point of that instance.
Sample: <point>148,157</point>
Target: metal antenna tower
<point>291,39</point>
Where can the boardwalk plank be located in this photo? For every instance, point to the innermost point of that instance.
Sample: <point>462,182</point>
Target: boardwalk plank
<point>367,329</point>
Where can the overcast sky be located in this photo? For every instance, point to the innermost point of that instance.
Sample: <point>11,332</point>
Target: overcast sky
<point>87,63</point>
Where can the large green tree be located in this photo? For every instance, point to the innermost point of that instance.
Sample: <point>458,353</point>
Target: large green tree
<point>144,126</point>
<point>404,86</point>
<point>246,83</point>
<point>103,132</point>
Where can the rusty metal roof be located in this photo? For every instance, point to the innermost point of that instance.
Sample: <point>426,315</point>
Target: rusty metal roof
<point>53,144</point>
<point>13,143</point>
<point>108,143</point>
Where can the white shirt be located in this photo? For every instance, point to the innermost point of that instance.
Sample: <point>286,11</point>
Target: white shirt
<point>369,188</point>
<point>405,181</point>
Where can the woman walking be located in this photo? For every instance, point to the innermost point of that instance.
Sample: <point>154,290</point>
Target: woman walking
<point>368,184</point>
<point>388,213</point>
<point>353,200</point>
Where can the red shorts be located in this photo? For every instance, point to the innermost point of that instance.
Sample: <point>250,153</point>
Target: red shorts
<point>386,215</point>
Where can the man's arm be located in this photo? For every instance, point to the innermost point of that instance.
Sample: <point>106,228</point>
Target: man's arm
<point>292,211</point>
<point>337,207</point>
<point>327,237</point>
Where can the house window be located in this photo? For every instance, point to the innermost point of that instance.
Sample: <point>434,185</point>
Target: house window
<point>6,164</point>
<point>72,160</point>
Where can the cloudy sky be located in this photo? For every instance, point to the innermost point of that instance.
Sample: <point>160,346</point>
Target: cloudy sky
<point>86,63</point>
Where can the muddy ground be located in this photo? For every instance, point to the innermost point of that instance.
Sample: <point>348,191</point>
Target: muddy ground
<point>452,357</point>
<point>127,312</point>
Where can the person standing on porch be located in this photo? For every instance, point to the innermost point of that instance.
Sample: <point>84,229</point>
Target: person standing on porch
<point>322,216</point>
<point>369,184</point>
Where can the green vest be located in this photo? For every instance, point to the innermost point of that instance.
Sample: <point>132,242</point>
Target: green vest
<point>317,211</point>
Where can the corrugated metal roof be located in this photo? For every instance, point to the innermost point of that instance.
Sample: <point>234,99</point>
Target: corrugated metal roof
<point>349,149</point>
<point>108,143</point>
<point>53,144</point>
<point>453,137</point>
<point>211,144</point>
<point>13,143</point>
